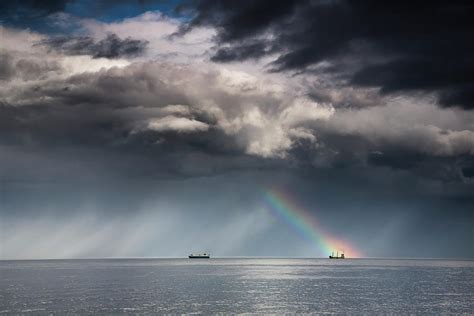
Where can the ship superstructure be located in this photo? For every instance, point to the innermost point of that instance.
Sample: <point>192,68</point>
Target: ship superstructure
<point>337,256</point>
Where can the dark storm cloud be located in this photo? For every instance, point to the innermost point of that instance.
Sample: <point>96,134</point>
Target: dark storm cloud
<point>356,152</point>
<point>396,159</point>
<point>111,46</point>
<point>30,8</point>
<point>249,50</point>
<point>86,143</point>
<point>406,45</point>
<point>468,172</point>
<point>453,78</point>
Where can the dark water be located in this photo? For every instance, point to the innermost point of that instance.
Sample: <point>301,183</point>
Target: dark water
<point>137,286</point>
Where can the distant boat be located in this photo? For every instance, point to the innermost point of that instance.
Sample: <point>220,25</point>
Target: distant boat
<point>199,256</point>
<point>337,256</point>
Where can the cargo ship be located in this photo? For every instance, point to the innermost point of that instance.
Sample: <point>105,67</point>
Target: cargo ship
<point>199,256</point>
<point>337,256</point>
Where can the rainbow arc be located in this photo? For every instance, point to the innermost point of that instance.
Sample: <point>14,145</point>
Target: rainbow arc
<point>305,224</point>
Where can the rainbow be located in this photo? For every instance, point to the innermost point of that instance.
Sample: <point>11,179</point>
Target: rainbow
<point>304,224</point>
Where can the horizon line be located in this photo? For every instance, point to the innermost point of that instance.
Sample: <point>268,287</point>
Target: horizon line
<point>238,257</point>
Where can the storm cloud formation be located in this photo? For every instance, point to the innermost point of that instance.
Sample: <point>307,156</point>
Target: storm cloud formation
<point>363,111</point>
<point>394,45</point>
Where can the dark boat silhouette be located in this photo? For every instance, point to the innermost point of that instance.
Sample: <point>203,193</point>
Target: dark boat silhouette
<point>199,256</point>
<point>337,256</point>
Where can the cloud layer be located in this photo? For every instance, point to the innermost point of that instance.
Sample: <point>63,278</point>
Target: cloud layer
<point>198,106</point>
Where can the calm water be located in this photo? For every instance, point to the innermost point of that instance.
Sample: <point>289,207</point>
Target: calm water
<point>237,285</point>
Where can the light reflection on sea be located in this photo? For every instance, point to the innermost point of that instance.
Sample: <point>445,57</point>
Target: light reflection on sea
<point>242,285</point>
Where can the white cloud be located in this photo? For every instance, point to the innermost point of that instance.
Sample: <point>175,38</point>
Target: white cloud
<point>304,110</point>
<point>157,29</point>
<point>20,41</point>
<point>79,64</point>
<point>413,124</point>
<point>178,124</point>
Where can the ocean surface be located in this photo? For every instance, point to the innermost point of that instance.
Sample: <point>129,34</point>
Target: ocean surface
<point>139,286</point>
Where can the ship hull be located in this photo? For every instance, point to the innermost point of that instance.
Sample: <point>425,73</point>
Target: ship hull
<point>331,257</point>
<point>199,257</point>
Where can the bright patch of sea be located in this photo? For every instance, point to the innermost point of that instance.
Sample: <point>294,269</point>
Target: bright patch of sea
<point>140,286</point>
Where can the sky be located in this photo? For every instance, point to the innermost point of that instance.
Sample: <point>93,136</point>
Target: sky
<point>241,128</point>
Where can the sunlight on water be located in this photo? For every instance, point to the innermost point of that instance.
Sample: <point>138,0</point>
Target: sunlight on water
<point>237,285</point>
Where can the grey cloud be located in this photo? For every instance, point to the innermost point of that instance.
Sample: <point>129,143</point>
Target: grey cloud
<point>111,46</point>
<point>424,140</point>
<point>159,112</point>
<point>25,69</point>
<point>7,69</point>
<point>216,122</point>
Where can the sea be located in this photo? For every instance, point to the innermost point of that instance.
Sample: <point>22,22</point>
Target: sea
<point>237,285</point>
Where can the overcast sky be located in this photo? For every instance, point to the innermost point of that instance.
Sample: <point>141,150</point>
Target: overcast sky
<point>154,128</point>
